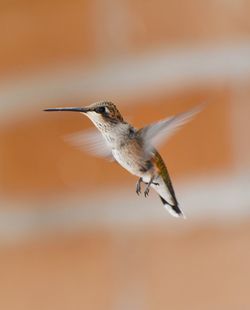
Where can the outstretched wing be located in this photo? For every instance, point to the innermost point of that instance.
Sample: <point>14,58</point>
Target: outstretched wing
<point>156,133</point>
<point>90,141</point>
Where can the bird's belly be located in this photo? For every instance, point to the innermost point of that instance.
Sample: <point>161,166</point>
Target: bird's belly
<point>130,163</point>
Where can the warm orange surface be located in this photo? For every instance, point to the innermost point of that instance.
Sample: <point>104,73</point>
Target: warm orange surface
<point>130,268</point>
<point>36,160</point>
<point>149,269</point>
<point>38,33</point>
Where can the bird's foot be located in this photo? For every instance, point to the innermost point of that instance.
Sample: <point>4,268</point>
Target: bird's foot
<point>138,187</point>
<point>146,192</point>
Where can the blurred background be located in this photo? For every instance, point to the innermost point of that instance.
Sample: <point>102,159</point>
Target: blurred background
<point>73,233</point>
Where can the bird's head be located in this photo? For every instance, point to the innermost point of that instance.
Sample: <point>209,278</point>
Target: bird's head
<point>102,114</point>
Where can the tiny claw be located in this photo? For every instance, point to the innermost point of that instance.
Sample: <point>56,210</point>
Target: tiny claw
<point>146,192</point>
<point>138,191</point>
<point>138,187</point>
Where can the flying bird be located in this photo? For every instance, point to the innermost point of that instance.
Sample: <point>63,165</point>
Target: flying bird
<point>134,149</point>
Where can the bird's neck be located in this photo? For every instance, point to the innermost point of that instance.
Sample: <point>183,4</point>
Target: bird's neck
<point>114,134</point>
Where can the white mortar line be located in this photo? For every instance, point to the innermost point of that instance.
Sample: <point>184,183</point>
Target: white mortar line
<point>219,199</point>
<point>130,78</point>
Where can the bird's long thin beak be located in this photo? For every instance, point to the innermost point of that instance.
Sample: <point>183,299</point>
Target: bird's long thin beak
<point>82,110</point>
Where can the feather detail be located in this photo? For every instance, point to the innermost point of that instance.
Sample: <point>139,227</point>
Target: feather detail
<point>163,172</point>
<point>90,141</point>
<point>169,200</point>
<point>154,134</point>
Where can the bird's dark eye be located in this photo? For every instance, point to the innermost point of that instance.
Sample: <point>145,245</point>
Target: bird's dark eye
<point>100,110</point>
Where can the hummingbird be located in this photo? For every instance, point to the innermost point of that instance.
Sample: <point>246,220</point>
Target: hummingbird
<point>134,149</point>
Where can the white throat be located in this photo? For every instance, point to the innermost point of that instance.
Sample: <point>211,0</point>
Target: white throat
<point>113,133</point>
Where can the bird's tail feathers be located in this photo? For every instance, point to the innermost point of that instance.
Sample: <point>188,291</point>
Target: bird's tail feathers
<point>174,210</point>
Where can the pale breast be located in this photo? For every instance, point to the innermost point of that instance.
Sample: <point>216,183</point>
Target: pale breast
<point>132,161</point>
<point>127,150</point>
<point>126,161</point>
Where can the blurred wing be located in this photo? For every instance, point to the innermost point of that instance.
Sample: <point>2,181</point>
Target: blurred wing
<point>90,141</point>
<point>161,131</point>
